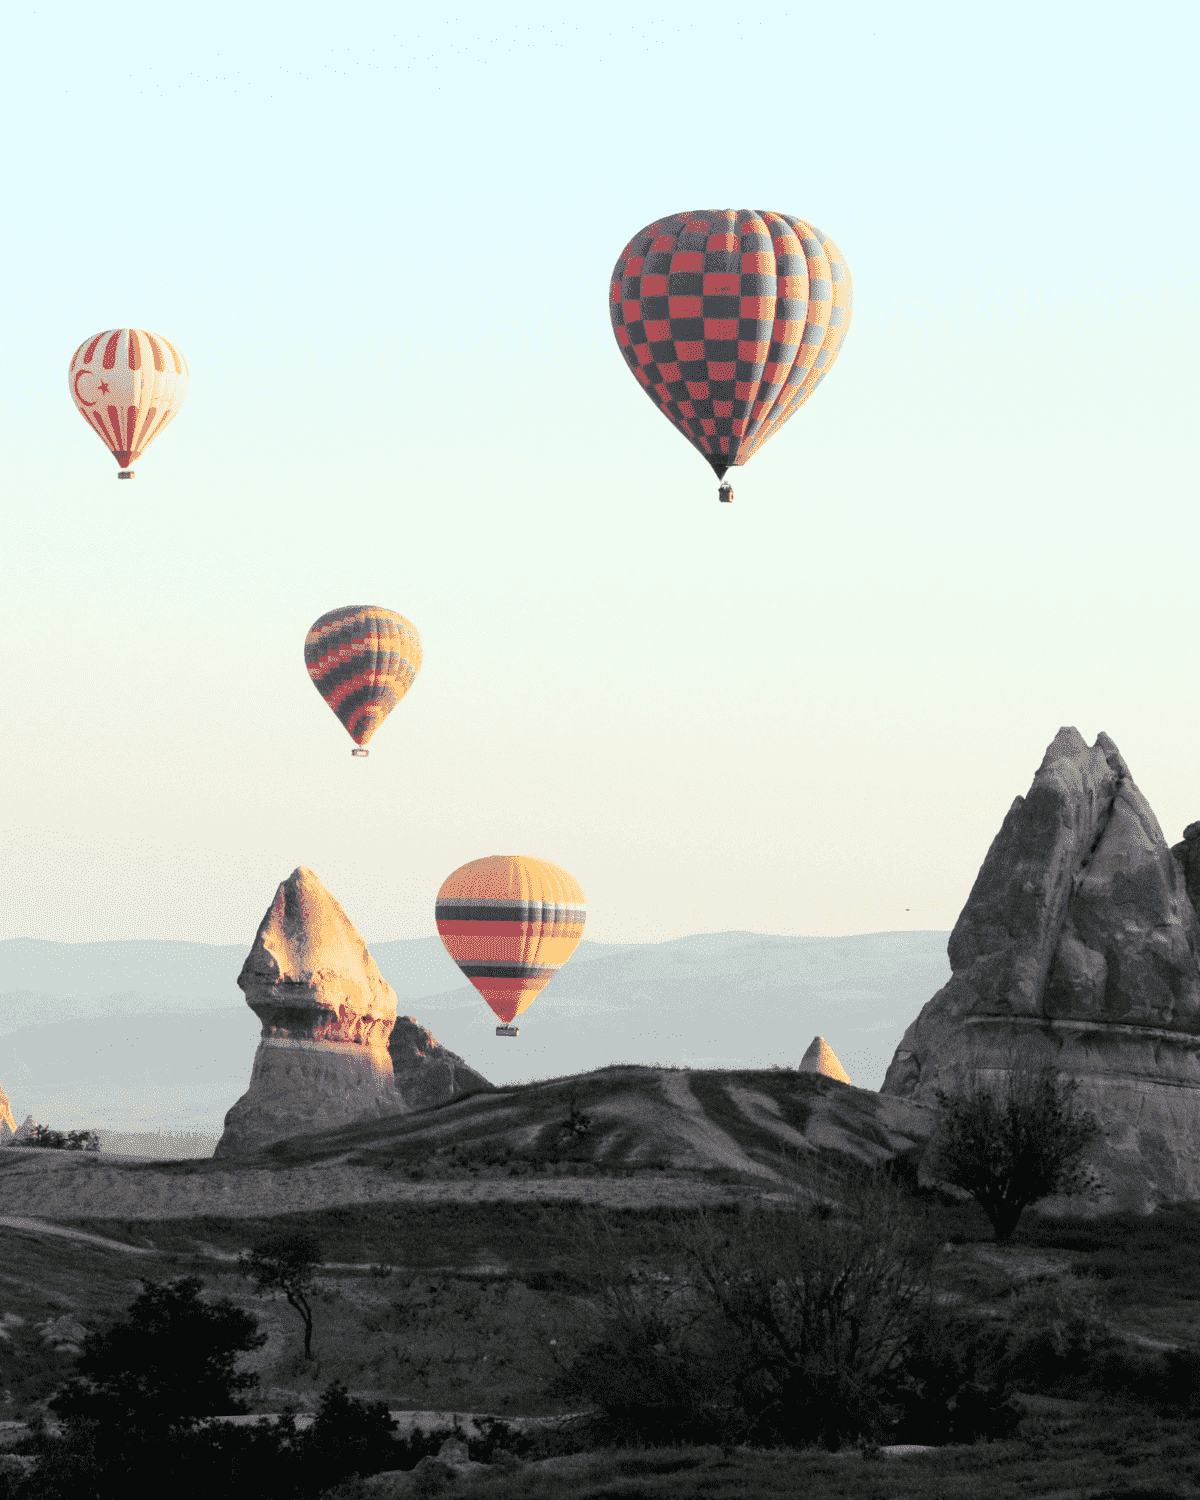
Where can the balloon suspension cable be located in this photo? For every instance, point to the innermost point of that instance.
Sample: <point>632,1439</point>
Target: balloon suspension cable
<point>358,750</point>
<point>126,474</point>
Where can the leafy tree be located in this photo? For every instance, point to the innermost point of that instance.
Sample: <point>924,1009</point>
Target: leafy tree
<point>1013,1143</point>
<point>286,1260</point>
<point>167,1363</point>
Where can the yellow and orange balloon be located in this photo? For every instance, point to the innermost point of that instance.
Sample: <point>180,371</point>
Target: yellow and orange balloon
<point>510,922</point>
<point>128,384</point>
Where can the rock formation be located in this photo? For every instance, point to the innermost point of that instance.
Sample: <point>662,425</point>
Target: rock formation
<point>8,1125</point>
<point>328,1020</point>
<point>427,1073</point>
<point>821,1058</point>
<point>1079,945</point>
<point>327,1014</point>
<point>1188,855</point>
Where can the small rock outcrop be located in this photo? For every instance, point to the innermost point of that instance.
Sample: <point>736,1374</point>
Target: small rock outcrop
<point>24,1133</point>
<point>327,1015</point>
<point>1188,855</point>
<point>8,1125</point>
<point>821,1058</point>
<point>427,1073</point>
<point>1079,945</point>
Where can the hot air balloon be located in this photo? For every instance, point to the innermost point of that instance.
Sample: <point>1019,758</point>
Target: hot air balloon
<point>509,923</point>
<point>363,660</point>
<point>730,319</point>
<point>128,384</point>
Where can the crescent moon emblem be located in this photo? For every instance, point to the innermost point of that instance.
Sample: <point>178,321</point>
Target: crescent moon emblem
<point>78,376</point>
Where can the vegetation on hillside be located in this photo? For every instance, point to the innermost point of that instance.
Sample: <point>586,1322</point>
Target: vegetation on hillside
<point>1011,1144</point>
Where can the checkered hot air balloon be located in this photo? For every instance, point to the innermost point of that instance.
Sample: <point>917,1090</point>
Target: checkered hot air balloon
<point>362,660</point>
<point>510,922</point>
<point>730,319</point>
<point>128,384</point>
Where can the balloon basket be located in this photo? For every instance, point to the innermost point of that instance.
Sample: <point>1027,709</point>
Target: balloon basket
<point>725,494</point>
<point>126,474</point>
<point>508,1031</point>
<point>363,753</point>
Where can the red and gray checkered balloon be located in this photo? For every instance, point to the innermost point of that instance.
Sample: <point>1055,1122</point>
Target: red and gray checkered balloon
<point>730,319</point>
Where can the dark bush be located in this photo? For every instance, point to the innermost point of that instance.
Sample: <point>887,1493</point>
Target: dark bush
<point>954,1387</point>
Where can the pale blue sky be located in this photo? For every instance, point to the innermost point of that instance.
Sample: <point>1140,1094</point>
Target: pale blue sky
<point>383,243</point>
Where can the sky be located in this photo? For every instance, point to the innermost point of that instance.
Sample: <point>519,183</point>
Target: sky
<point>383,241</point>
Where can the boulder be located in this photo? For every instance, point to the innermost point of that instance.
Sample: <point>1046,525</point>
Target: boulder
<point>1079,946</point>
<point>327,1014</point>
<point>821,1058</point>
<point>8,1125</point>
<point>427,1073</point>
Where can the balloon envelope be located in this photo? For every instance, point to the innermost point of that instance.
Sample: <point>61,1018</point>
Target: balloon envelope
<point>510,922</point>
<point>363,660</point>
<point>127,385</point>
<point>730,319</point>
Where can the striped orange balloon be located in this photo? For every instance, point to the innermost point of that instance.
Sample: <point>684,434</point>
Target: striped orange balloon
<point>510,922</point>
<point>363,660</point>
<point>128,384</point>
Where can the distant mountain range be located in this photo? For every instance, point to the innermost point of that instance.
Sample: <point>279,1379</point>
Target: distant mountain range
<point>135,1036</point>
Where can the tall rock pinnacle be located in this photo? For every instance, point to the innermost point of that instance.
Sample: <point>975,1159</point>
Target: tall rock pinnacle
<point>1079,946</point>
<point>327,1015</point>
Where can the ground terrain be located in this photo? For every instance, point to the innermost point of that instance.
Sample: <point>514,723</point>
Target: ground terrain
<point>460,1247</point>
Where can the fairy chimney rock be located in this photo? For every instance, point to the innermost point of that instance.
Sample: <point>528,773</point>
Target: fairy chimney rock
<point>8,1125</point>
<point>821,1058</point>
<point>327,1015</point>
<point>1079,945</point>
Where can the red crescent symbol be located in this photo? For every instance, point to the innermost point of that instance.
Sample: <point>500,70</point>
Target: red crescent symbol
<point>78,397</point>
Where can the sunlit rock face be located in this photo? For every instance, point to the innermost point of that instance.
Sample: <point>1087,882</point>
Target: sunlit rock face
<point>1080,944</point>
<point>327,1015</point>
<point>821,1058</point>
<point>8,1125</point>
<point>427,1073</point>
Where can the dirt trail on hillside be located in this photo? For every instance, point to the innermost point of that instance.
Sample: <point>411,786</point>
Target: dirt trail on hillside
<point>63,1231</point>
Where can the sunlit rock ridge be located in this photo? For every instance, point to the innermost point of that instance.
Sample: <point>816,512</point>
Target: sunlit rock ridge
<point>1080,943</point>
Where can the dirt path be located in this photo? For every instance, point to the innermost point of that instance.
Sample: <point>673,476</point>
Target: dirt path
<point>63,1231</point>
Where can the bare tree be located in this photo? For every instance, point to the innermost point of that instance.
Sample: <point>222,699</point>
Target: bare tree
<point>286,1261</point>
<point>1014,1142</point>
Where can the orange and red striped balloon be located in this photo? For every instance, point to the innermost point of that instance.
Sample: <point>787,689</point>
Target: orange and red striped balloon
<point>128,384</point>
<point>510,922</point>
<point>362,660</point>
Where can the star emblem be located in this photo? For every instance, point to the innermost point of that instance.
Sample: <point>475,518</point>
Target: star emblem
<point>104,387</point>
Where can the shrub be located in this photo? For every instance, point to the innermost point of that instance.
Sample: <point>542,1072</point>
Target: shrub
<point>1058,1337</point>
<point>789,1326</point>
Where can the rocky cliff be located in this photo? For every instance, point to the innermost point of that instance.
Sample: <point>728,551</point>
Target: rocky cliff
<point>8,1125</point>
<point>1080,944</point>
